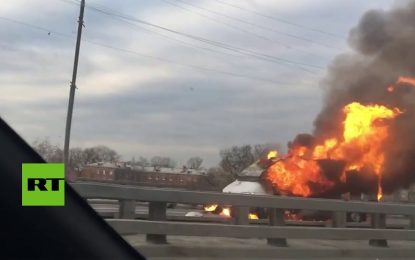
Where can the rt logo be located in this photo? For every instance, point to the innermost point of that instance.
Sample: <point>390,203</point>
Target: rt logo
<point>43,184</point>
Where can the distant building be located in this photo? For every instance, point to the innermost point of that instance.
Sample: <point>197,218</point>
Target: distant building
<point>99,171</point>
<point>144,176</point>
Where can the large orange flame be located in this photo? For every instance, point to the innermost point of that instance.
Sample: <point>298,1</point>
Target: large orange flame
<point>359,146</point>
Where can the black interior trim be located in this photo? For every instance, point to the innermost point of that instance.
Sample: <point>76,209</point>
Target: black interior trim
<point>74,231</point>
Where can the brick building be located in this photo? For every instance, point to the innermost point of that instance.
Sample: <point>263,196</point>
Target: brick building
<point>144,176</point>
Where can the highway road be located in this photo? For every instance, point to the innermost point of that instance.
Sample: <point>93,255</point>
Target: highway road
<point>189,247</point>
<point>109,209</point>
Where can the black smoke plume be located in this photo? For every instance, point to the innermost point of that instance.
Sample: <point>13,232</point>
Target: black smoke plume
<point>383,49</point>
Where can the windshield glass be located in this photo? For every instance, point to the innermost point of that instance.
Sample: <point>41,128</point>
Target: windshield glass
<point>309,99</point>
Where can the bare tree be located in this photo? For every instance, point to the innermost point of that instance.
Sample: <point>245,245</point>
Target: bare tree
<point>237,158</point>
<point>77,159</point>
<point>157,161</point>
<point>142,161</point>
<point>218,178</point>
<point>160,161</point>
<point>49,152</point>
<point>100,154</point>
<point>194,163</point>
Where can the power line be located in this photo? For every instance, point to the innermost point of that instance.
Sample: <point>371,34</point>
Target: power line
<point>281,20</point>
<point>185,65</point>
<point>236,27</point>
<point>161,59</point>
<point>122,19</point>
<point>254,24</point>
<point>184,43</point>
<point>125,18</point>
<point>227,24</point>
<point>35,27</point>
<point>248,52</point>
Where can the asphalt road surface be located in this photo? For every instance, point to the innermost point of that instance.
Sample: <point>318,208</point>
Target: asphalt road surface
<point>109,209</point>
<point>188,247</point>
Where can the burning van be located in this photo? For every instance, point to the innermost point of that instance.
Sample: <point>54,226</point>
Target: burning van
<point>249,182</point>
<point>253,181</point>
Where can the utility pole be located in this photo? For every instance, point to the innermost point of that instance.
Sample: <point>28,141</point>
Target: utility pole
<point>72,89</point>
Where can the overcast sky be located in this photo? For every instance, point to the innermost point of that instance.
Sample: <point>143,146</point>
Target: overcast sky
<point>153,92</point>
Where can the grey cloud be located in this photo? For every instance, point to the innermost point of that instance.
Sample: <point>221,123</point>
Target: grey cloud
<point>182,113</point>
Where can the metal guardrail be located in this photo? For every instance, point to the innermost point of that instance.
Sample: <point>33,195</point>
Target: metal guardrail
<point>157,226</point>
